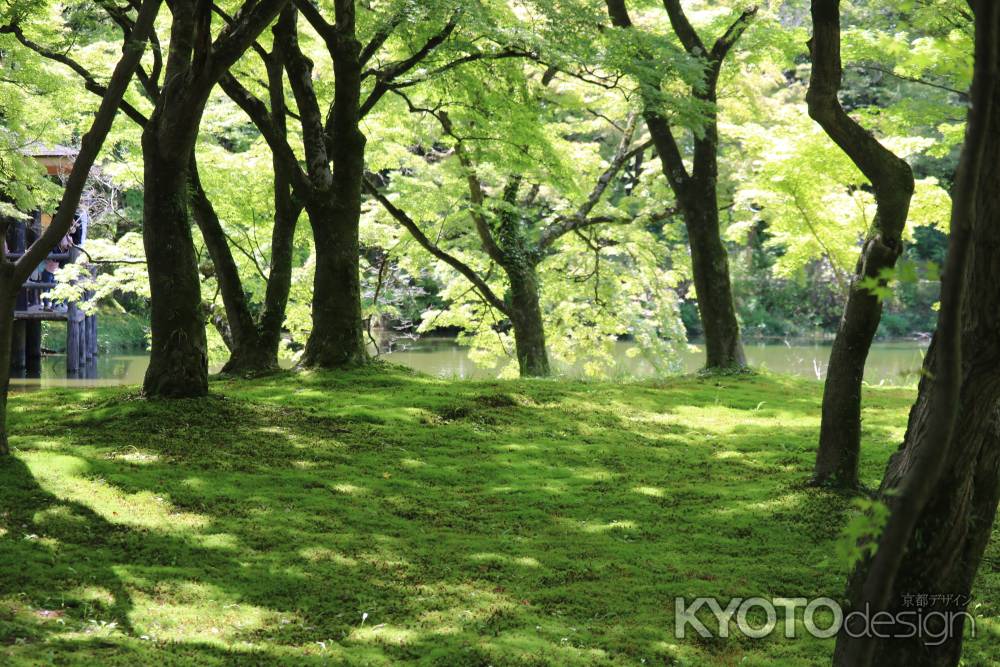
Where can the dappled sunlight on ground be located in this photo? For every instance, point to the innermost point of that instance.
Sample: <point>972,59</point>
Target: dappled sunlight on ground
<point>379,517</point>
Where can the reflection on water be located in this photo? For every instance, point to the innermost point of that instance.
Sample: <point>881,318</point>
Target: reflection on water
<point>106,370</point>
<point>895,363</point>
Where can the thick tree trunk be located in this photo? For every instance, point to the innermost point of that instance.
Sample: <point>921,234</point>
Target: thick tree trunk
<point>710,266</point>
<point>178,364</point>
<point>526,317</point>
<point>892,181</point>
<point>337,336</point>
<point>948,486</point>
<point>955,526</point>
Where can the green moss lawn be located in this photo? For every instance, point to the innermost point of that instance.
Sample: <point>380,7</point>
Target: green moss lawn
<point>383,517</point>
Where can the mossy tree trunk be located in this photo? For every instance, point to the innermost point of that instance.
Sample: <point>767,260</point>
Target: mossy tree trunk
<point>525,314</point>
<point>178,363</point>
<point>892,180</point>
<point>710,267</point>
<point>337,336</point>
<point>335,157</point>
<point>287,209</point>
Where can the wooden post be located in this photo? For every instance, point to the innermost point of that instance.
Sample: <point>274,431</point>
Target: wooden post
<point>17,343</point>
<point>18,241</point>
<point>91,337</point>
<point>72,340</point>
<point>33,340</point>
<point>33,347</point>
<point>93,350</point>
<point>88,347</point>
<point>82,339</point>
<point>73,329</point>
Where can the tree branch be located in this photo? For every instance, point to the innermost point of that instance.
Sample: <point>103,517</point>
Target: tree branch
<point>91,143</point>
<point>258,113</point>
<point>407,222</point>
<point>390,73</point>
<point>684,30</point>
<point>890,176</point>
<point>299,69</point>
<point>580,219</point>
<point>732,35</point>
<point>90,83</point>
<point>236,38</point>
<point>911,79</point>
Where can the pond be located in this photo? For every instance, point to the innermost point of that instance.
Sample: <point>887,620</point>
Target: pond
<point>890,363</point>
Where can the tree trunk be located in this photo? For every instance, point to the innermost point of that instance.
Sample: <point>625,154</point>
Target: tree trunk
<point>697,197</point>
<point>286,214</point>
<point>697,192</point>
<point>337,336</point>
<point>892,181</point>
<point>8,293</point>
<point>710,266</point>
<point>526,317</point>
<point>279,278</point>
<point>178,364</point>
<point>248,354</point>
<point>839,450</point>
<point>948,487</point>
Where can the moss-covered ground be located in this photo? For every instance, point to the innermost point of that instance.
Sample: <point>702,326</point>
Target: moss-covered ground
<point>381,517</point>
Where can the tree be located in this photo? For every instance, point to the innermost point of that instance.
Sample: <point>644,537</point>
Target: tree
<point>13,274</point>
<point>179,358</point>
<point>253,341</point>
<point>696,192</point>
<point>330,186</point>
<point>942,484</point>
<point>892,182</point>
<point>510,234</point>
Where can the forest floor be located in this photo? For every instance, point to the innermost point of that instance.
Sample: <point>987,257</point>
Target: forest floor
<point>382,517</point>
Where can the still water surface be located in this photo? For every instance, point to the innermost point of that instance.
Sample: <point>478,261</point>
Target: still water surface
<point>891,363</point>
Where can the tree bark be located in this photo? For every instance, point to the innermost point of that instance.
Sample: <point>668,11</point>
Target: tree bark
<point>892,180</point>
<point>943,484</point>
<point>178,364</point>
<point>525,315</point>
<point>8,294</point>
<point>195,63</point>
<point>286,210</point>
<point>710,266</point>
<point>337,336</point>
<point>336,339</point>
